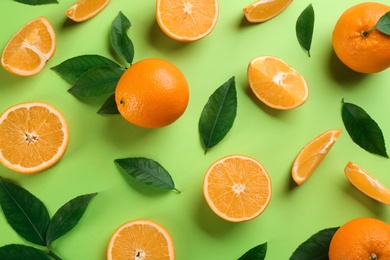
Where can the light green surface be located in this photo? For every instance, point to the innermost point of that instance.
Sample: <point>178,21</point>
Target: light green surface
<point>273,137</point>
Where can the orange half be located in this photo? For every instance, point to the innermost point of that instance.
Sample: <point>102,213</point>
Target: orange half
<point>264,10</point>
<point>83,10</point>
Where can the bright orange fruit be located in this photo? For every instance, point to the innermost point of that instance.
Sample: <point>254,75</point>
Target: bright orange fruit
<point>33,137</point>
<point>366,183</point>
<point>276,84</point>
<point>187,20</point>
<point>141,239</point>
<point>30,48</point>
<point>264,10</point>
<point>83,10</point>
<point>310,157</point>
<point>237,188</point>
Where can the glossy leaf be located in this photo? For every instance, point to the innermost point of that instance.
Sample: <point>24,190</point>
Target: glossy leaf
<point>67,217</point>
<point>383,24</point>
<point>304,28</point>
<point>147,171</point>
<point>26,214</point>
<point>256,253</point>
<point>21,252</point>
<point>37,2</point>
<point>109,107</point>
<point>121,43</point>
<point>316,247</point>
<point>218,114</point>
<point>363,130</point>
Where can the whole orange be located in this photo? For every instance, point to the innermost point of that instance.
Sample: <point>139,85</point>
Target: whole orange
<point>357,43</point>
<point>152,93</point>
<point>361,238</point>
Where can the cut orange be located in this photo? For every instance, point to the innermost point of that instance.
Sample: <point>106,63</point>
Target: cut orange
<point>83,10</point>
<point>264,10</point>
<point>141,239</point>
<point>187,20</point>
<point>366,183</point>
<point>30,48</point>
<point>310,157</point>
<point>276,84</point>
<point>237,188</point>
<point>33,137</point>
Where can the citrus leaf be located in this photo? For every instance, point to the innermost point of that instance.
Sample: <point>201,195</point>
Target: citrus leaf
<point>256,253</point>
<point>363,130</point>
<point>383,24</point>
<point>26,214</point>
<point>121,43</point>
<point>304,28</point>
<point>97,82</point>
<point>147,171</point>
<point>73,68</point>
<point>218,114</point>
<point>109,107</point>
<point>37,2</point>
<point>67,217</point>
<point>316,247</point>
<point>21,252</point>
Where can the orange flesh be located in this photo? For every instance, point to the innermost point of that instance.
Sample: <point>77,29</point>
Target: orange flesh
<point>264,10</point>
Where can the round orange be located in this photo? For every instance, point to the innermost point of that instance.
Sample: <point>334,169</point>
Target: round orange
<point>356,44</point>
<point>152,93</point>
<point>361,238</point>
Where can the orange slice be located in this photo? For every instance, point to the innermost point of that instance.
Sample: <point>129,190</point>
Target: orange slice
<point>264,10</point>
<point>83,10</point>
<point>187,20</point>
<point>276,84</point>
<point>366,183</point>
<point>310,157</point>
<point>30,48</point>
<point>33,137</point>
<point>141,239</point>
<point>237,188</point>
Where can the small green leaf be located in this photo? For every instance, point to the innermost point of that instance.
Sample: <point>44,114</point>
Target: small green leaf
<point>121,43</point>
<point>21,252</point>
<point>73,68</point>
<point>109,107</point>
<point>218,114</point>
<point>97,82</point>
<point>147,171</point>
<point>26,214</point>
<point>256,253</point>
<point>304,28</point>
<point>316,247</point>
<point>67,217</point>
<point>363,130</point>
<point>37,2</point>
<point>383,24</point>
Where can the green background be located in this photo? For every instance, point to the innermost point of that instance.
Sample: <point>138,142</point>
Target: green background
<point>273,137</point>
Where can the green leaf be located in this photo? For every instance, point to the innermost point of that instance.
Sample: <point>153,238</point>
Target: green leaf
<point>256,253</point>
<point>21,252</point>
<point>383,24</point>
<point>97,82</point>
<point>73,68</point>
<point>304,28</point>
<point>147,171</point>
<point>67,217</point>
<point>109,107</point>
<point>121,43</point>
<point>316,247</point>
<point>37,2</point>
<point>218,114</point>
<point>24,212</point>
<point>363,130</point>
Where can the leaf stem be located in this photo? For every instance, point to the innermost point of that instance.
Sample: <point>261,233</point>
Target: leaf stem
<point>366,32</point>
<point>53,255</point>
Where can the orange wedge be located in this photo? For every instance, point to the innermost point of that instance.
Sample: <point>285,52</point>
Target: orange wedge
<point>366,183</point>
<point>237,188</point>
<point>141,239</point>
<point>83,10</point>
<point>30,48</point>
<point>187,20</point>
<point>264,10</point>
<point>276,84</point>
<point>33,137</point>
<point>310,157</point>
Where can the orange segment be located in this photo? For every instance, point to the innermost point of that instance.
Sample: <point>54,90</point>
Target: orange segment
<point>30,48</point>
<point>264,10</point>
<point>33,137</point>
<point>83,10</point>
<point>237,188</point>
<point>187,20</point>
<point>276,84</point>
<point>310,157</point>
<point>141,239</point>
<point>367,184</point>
